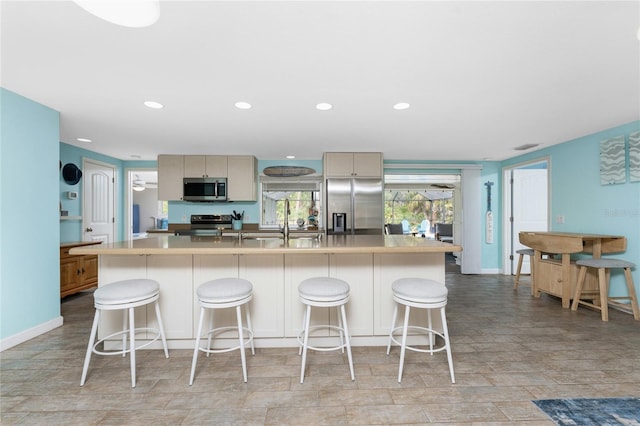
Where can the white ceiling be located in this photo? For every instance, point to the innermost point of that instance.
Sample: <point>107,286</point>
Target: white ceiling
<point>481,77</point>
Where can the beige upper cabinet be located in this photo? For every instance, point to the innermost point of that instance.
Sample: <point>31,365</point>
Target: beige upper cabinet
<point>205,166</point>
<point>352,164</point>
<point>170,174</point>
<point>242,178</point>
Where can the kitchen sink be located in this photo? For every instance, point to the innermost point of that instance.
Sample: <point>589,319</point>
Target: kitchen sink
<point>271,236</point>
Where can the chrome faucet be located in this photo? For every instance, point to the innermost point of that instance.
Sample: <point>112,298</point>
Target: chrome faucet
<point>287,212</point>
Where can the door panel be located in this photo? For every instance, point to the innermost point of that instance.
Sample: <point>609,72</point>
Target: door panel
<point>529,207</point>
<point>98,216</point>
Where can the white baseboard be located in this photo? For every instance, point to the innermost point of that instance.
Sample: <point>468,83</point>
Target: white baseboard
<point>493,271</point>
<point>29,334</point>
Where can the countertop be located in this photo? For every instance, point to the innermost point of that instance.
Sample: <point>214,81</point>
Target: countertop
<point>172,245</point>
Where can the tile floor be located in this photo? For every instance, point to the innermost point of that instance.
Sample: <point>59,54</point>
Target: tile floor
<point>508,349</point>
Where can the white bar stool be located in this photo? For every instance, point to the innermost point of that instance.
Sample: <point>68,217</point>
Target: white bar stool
<point>324,292</point>
<point>603,265</point>
<point>523,252</point>
<point>125,295</point>
<point>219,294</point>
<point>425,294</point>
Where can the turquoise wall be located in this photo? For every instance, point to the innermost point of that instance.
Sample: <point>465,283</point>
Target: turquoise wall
<point>30,223</point>
<point>29,211</point>
<point>586,205</point>
<point>71,230</point>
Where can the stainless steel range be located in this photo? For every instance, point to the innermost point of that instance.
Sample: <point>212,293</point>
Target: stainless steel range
<point>207,225</point>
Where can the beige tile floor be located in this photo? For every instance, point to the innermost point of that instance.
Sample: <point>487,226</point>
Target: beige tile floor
<point>508,349</point>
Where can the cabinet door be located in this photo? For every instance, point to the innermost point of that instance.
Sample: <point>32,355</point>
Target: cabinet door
<point>357,270</point>
<point>205,166</point>
<point>89,270</point>
<point>338,164</point>
<point>69,275</point>
<point>266,273</point>
<point>299,267</point>
<point>195,166</point>
<point>170,174</point>
<point>216,166</point>
<point>242,174</point>
<point>367,164</point>
<point>350,164</point>
<point>175,275</point>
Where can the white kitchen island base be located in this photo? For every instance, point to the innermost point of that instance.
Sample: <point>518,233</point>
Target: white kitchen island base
<point>275,273</point>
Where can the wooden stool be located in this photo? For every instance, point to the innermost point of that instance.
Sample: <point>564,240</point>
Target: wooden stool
<point>523,253</point>
<point>603,266</point>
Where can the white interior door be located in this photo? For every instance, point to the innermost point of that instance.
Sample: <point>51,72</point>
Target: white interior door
<point>98,218</point>
<point>529,207</point>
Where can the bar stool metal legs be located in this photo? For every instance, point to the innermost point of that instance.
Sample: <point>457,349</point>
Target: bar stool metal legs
<point>219,294</point>
<point>424,294</point>
<point>324,292</point>
<point>126,296</point>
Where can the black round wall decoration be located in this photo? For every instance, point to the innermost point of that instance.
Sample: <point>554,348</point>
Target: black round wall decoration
<point>71,174</point>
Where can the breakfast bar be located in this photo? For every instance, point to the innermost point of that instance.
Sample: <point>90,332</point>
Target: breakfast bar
<point>275,266</point>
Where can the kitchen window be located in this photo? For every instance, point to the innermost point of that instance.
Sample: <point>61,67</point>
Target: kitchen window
<point>305,201</point>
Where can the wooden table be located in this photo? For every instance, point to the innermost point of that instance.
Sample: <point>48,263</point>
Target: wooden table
<point>558,276</point>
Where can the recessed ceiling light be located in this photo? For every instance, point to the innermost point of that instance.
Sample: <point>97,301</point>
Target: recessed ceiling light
<point>401,106</point>
<point>291,157</point>
<point>134,14</point>
<point>243,105</point>
<point>153,105</point>
<point>323,106</point>
<point>83,140</point>
<point>136,156</point>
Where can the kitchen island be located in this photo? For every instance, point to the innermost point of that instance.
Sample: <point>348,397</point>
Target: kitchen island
<point>369,263</point>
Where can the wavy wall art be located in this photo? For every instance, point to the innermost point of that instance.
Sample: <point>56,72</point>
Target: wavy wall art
<point>612,164</point>
<point>634,157</point>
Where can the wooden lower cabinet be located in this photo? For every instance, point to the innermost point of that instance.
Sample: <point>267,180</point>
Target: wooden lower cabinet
<point>77,272</point>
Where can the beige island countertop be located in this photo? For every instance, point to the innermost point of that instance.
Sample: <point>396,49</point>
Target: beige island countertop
<point>171,245</point>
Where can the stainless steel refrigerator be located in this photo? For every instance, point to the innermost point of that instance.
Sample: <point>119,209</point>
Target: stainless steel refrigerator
<point>354,206</point>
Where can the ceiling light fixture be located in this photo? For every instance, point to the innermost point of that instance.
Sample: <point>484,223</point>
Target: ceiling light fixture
<point>401,105</point>
<point>324,106</point>
<point>138,184</point>
<point>83,140</point>
<point>153,105</point>
<point>290,157</point>
<point>526,146</point>
<point>243,105</point>
<point>129,13</point>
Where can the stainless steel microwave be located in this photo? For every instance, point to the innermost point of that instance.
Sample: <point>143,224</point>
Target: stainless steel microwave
<point>204,189</point>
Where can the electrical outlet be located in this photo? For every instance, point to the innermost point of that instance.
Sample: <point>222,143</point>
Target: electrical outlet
<point>246,218</point>
<point>560,219</point>
<point>184,218</point>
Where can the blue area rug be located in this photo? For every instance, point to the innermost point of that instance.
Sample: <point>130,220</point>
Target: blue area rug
<point>592,411</point>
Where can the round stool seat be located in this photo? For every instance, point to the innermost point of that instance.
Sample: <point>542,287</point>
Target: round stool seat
<point>323,289</point>
<point>525,252</point>
<point>420,290</point>
<point>605,263</point>
<point>127,291</point>
<point>224,290</point>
